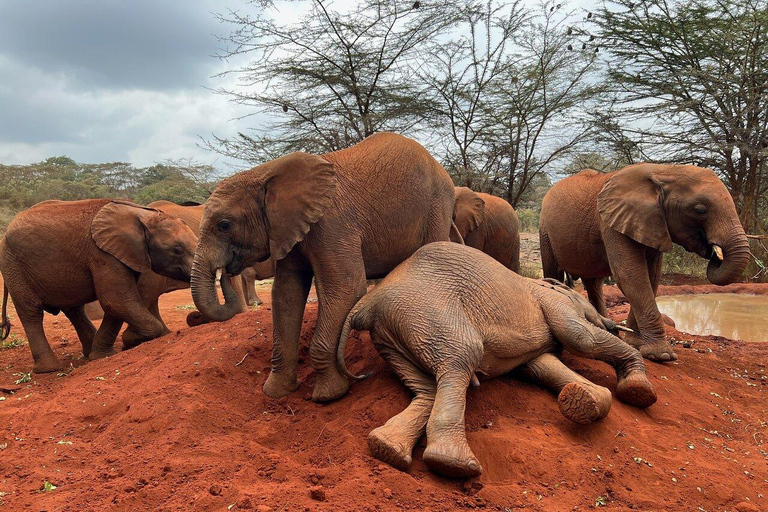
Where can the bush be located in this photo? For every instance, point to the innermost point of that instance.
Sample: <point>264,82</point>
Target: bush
<point>679,261</point>
<point>529,220</point>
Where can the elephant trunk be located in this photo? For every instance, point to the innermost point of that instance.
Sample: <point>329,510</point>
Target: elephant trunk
<point>728,262</point>
<point>203,285</point>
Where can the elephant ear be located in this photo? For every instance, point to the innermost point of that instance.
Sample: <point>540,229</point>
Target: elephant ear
<point>632,203</point>
<point>119,229</point>
<point>468,210</point>
<point>299,191</point>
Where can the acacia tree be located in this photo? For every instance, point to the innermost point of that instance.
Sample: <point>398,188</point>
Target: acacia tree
<point>331,78</point>
<point>511,94</point>
<point>692,79</point>
<point>545,99</point>
<point>458,81</point>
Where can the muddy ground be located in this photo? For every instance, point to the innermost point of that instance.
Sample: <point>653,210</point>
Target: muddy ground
<point>180,423</point>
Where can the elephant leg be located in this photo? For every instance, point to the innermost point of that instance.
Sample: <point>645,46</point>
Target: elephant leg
<point>255,299</point>
<point>579,400</point>
<point>637,275</point>
<point>132,339</point>
<point>104,340</point>
<point>594,287</point>
<point>394,441</point>
<point>448,452</point>
<point>83,326</point>
<point>237,285</point>
<point>339,286</point>
<point>289,297</point>
<point>31,317</point>
<point>584,339</point>
<point>248,281</point>
<point>548,261</point>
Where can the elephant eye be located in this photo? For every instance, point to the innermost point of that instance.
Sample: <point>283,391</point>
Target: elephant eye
<point>224,225</point>
<point>700,209</point>
<point>179,250</point>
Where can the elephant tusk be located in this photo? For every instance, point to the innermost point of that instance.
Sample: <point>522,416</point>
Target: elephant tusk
<point>218,274</point>
<point>718,251</point>
<point>625,329</point>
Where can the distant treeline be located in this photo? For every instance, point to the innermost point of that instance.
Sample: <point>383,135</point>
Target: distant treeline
<point>22,186</point>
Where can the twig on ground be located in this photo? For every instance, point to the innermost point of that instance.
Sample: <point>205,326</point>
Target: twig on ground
<point>243,359</point>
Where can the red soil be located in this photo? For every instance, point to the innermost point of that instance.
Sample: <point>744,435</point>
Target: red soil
<point>180,423</point>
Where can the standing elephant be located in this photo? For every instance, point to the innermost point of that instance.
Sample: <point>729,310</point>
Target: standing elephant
<point>152,286</point>
<point>250,275</point>
<point>60,255</point>
<point>340,218</point>
<point>594,225</point>
<point>490,224</point>
<point>479,318</point>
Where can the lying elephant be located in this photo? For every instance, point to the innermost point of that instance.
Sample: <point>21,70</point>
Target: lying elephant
<point>490,224</point>
<point>60,255</point>
<point>479,318</point>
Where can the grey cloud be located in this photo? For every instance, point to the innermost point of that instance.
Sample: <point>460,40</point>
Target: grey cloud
<point>106,43</point>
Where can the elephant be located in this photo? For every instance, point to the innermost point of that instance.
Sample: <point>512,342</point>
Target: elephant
<point>593,225</point>
<point>60,255</point>
<point>257,272</point>
<point>341,218</point>
<point>480,319</point>
<point>493,228</point>
<point>152,286</point>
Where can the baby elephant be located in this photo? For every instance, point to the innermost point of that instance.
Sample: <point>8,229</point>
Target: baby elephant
<point>61,255</point>
<point>450,313</point>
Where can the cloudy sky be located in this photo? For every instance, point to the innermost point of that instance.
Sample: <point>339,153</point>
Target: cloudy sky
<point>105,80</point>
<point>115,80</point>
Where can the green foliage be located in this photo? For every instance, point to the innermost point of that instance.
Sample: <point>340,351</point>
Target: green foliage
<point>13,341</point>
<point>679,261</point>
<point>62,178</point>
<point>529,219</point>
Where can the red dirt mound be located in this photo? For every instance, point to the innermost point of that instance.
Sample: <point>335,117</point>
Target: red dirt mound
<point>180,423</point>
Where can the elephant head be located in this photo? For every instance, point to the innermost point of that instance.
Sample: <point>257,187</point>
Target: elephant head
<point>255,215</point>
<point>145,239</point>
<point>657,205</point>
<point>468,211</point>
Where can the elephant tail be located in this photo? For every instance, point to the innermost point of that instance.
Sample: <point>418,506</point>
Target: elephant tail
<point>5,325</point>
<point>359,319</point>
<point>455,234</point>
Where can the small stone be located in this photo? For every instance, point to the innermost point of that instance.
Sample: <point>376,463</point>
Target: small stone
<point>263,508</point>
<point>245,503</point>
<point>388,493</point>
<point>745,506</point>
<point>317,493</point>
<point>687,344</point>
<point>215,490</point>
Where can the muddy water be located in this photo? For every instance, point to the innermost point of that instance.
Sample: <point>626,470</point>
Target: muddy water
<point>734,316</point>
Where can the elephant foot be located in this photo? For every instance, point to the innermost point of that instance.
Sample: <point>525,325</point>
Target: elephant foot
<point>635,389</point>
<point>452,458</point>
<point>100,354</point>
<point>396,454</point>
<point>330,386</point>
<point>584,403</point>
<point>660,352</point>
<point>279,385</point>
<point>48,365</point>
